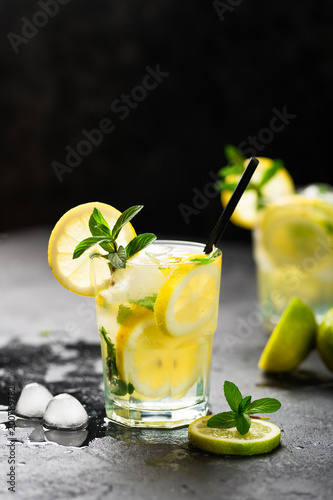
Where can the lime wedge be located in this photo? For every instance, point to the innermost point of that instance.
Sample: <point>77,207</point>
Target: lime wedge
<point>291,340</point>
<point>262,437</point>
<point>325,339</point>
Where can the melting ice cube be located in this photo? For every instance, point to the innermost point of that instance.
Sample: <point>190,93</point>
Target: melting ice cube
<point>33,401</point>
<point>65,438</point>
<point>65,412</point>
<point>37,435</point>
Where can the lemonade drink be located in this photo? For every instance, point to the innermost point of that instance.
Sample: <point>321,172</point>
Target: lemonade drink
<point>292,235</point>
<point>293,250</point>
<point>156,320</point>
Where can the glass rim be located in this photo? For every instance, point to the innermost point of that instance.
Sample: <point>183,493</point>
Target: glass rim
<point>195,244</point>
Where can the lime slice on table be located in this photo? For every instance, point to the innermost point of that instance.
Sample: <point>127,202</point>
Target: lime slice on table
<point>157,365</point>
<point>324,339</point>
<point>188,299</point>
<point>291,340</point>
<point>73,227</point>
<point>296,229</point>
<point>246,212</point>
<point>262,437</point>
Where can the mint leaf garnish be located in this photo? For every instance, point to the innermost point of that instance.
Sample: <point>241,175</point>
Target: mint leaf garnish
<point>118,259</point>
<point>228,186</point>
<point>96,255</point>
<point>241,408</point>
<point>224,420</point>
<point>118,387</point>
<point>245,403</point>
<point>123,313</point>
<point>243,423</point>
<point>139,243</point>
<point>264,405</point>
<point>148,301</point>
<point>117,256</point>
<point>111,354</point>
<point>124,218</point>
<point>233,155</point>
<point>231,170</point>
<point>205,259</point>
<point>86,244</point>
<point>98,225</point>
<point>232,395</point>
<point>236,166</point>
<point>269,173</point>
<point>109,245</point>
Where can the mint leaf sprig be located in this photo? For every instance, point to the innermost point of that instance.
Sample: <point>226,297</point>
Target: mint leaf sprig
<point>242,410</point>
<point>118,387</point>
<point>102,235</point>
<point>204,259</point>
<point>236,166</point>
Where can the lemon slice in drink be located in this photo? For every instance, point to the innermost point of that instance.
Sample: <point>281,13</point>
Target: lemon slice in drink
<point>188,298</point>
<point>291,340</point>
<point>156,365</point>
<point>262,437</point>
<point>73,227</point>
<point>296,230</point>
<point>246,212</point>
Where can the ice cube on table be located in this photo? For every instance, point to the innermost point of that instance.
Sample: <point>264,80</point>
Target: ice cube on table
<point>33,401</point>
<point>65,412</point>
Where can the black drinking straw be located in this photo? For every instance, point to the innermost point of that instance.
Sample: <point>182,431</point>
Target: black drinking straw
<point>221,224</point>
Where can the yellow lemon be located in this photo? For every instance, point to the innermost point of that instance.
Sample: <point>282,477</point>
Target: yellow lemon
<point>246,212</point>
<point>157,365</point>
<point>188,299</point>
<point>79,275</point>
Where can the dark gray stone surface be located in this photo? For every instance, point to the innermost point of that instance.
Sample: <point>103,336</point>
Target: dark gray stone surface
<point>115,462</point>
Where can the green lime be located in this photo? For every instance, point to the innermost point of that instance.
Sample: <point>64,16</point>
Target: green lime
<point>325,339</point>
<point>291,340</point>
<point>262,437</point>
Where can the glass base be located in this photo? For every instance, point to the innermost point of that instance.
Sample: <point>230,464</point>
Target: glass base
<point>162,419</point>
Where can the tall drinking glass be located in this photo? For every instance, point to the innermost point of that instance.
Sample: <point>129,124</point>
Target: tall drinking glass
<point>293,250</point>
<point>156,320</point>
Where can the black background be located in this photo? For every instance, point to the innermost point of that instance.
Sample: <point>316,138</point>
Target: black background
<point>227,72</point>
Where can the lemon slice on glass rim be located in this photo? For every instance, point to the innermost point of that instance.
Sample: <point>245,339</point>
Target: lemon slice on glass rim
<point>80,275</point>
<point>280,185</point>
<point>155,364</point>
<point>188,299</point>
